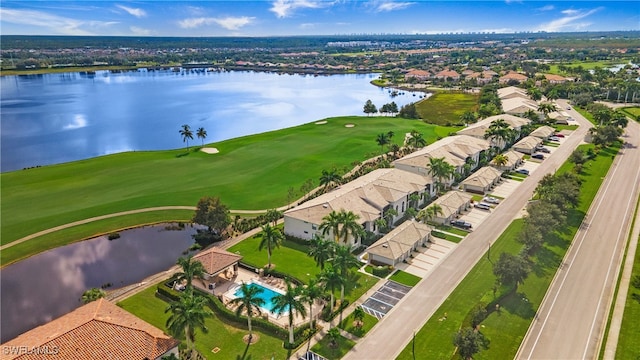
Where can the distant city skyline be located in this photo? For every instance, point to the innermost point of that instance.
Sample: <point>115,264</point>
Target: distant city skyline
<point>311,17</point>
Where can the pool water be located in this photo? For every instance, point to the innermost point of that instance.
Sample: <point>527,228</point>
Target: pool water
<point>267,295</point>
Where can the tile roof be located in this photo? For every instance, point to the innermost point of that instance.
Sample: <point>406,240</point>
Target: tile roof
<point>98,330</point>
<point>454,149</point>
<point>451,202</point>
<point>543,132</point>
<point>366,196</point>
<point>483,177</point>
<point>216,259</point>
<point>521,104</point>
<point>400,240</point>
<point>527,142</point>
<point>512,75</point>
<point>511,90</point>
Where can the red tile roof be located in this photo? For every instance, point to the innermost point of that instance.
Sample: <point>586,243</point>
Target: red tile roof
<point>98,330</point>
<point>215,259</point>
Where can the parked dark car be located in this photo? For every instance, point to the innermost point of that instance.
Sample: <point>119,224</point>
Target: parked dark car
<point>537,156</point>
<point>558,135</point>
<point>461,224</point>
<point>522,171</point>
<point>544,150</point>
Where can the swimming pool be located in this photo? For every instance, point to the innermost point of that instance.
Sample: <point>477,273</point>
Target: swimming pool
<point>267,295</point>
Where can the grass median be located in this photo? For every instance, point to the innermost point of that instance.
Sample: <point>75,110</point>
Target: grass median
<point>251,172</point>
<point>506,328</point>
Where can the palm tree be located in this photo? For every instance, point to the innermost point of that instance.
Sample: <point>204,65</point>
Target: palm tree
<point>190,269</point>
<point>289,301</point>
<point>358,316</point>
<point>310,293</point>
<point>531,115</point>
<point>388,215</point>
<point>273,215</point>
<point>92,294</point>
<point>394,148</point>
<point>250,301</point>
<point>350,225</point>
<point>414,199</point>
<point>329,177</point>
<point>201,134</point>
<point>429,213</point>
<point>546,108</point>
<point>321,250</point>
<point>382,140</point>
<point>331,223</point>
<point>500,132</point>
<point>500,160</point>
<point>468,117</point>
<point>271,239</point>
<point>186,134</point>
<point>440,169</point>
<point>343,261</point>
<point>187,315</point>
<point>333,335</point>
<point>416,139</point>
<point>331,279</point>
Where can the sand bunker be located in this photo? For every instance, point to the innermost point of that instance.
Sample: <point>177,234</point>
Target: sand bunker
<point>210,150</point>
<point>321,122</point>
<point>349,125</point>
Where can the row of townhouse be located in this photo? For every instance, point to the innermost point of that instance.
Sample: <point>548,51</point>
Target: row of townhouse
<point>479,129</point>
<point>368,196</point>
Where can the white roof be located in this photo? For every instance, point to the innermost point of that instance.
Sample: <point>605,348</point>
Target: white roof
<point>528,142</point>
<point>543,131</point>
<point>483,177</point>
<point>454,149</point>
<point>519,104</point>
<point>400,240</point>
<point>365,196</point>
<point>451,202</point>
<point>511,90</point>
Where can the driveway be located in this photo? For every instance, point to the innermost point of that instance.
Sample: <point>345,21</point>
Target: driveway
<point>428,258</point>
<point>505,189</point>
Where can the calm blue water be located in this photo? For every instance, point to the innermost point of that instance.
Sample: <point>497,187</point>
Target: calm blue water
<point>267,295</point>
<point>55,118</point>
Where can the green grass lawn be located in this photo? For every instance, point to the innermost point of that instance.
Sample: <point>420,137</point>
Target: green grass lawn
<point>367,324</point>
<point>405,278</point>
<point>565,127</point>
<point>628,344</point>
<point>453,230</point>
<point>333,353</point>
<point>223,335</point>
<point>506,328</point>
<point>633,112</point>
<point>446,107</point>
<point>586,114</point>
<point>290,258</point>
<point>587,65</point>
<point>447,237</point>
<point>251,172</point>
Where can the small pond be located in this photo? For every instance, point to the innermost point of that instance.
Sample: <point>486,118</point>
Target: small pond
<point>48,285</point>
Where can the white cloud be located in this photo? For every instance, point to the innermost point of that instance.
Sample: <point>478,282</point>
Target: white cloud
<point>139,13</point>
<point>513,1</point>
<point>391,6</point>
<point>546,8</point>
<point>234,23</point>
<point>55,24</point>
<point>284,8</point>
<point>229,23</point>
<point>569,21</point>
<point>79,121</point>
<point>138,31</point>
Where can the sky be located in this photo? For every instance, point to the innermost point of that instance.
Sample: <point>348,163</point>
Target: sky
<point>311,17</point>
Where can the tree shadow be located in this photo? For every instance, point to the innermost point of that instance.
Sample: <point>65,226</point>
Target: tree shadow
<point>518,304</point>
<point>546,260</point>
<point>244,355</point>
<point>555,240</point>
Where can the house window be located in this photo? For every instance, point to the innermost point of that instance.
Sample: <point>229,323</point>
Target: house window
<point>314,227</point>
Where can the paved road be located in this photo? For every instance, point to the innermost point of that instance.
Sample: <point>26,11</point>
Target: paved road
<point>578,301</point>
<point>396,329</point>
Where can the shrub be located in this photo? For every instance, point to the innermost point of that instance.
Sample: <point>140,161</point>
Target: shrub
<point>113,236</point>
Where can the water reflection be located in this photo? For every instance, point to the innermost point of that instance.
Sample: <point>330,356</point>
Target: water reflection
<point>46,286</point>
<point>85,116</point>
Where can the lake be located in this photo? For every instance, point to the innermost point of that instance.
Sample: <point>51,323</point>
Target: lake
<point>46,286</point>
<point>62,117</point>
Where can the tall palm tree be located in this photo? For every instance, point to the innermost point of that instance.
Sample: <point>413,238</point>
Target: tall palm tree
<point>187,315</point>
<point>546,108</point>
<point>344,261</point>
<point>440,169</point>
<point>273,215</point>
<point>500,132</point>
<point>414,200</point>
<point>388,215</point>
<point>271,239</point>
<point>531,115</point>
<point>416,139</point>
<point>321,250</point>
<point>331,223</point>
<point>382,139</point>
<point>310,293</point>
<point>332,280</point>
<point>250,301</point>
<point>468,117</point>
<point>201,134</point>
<point>289,301</point>
<point>190,269</point>
<point>350,225</point>
<point>186,134</point>
<point>330,177</point>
